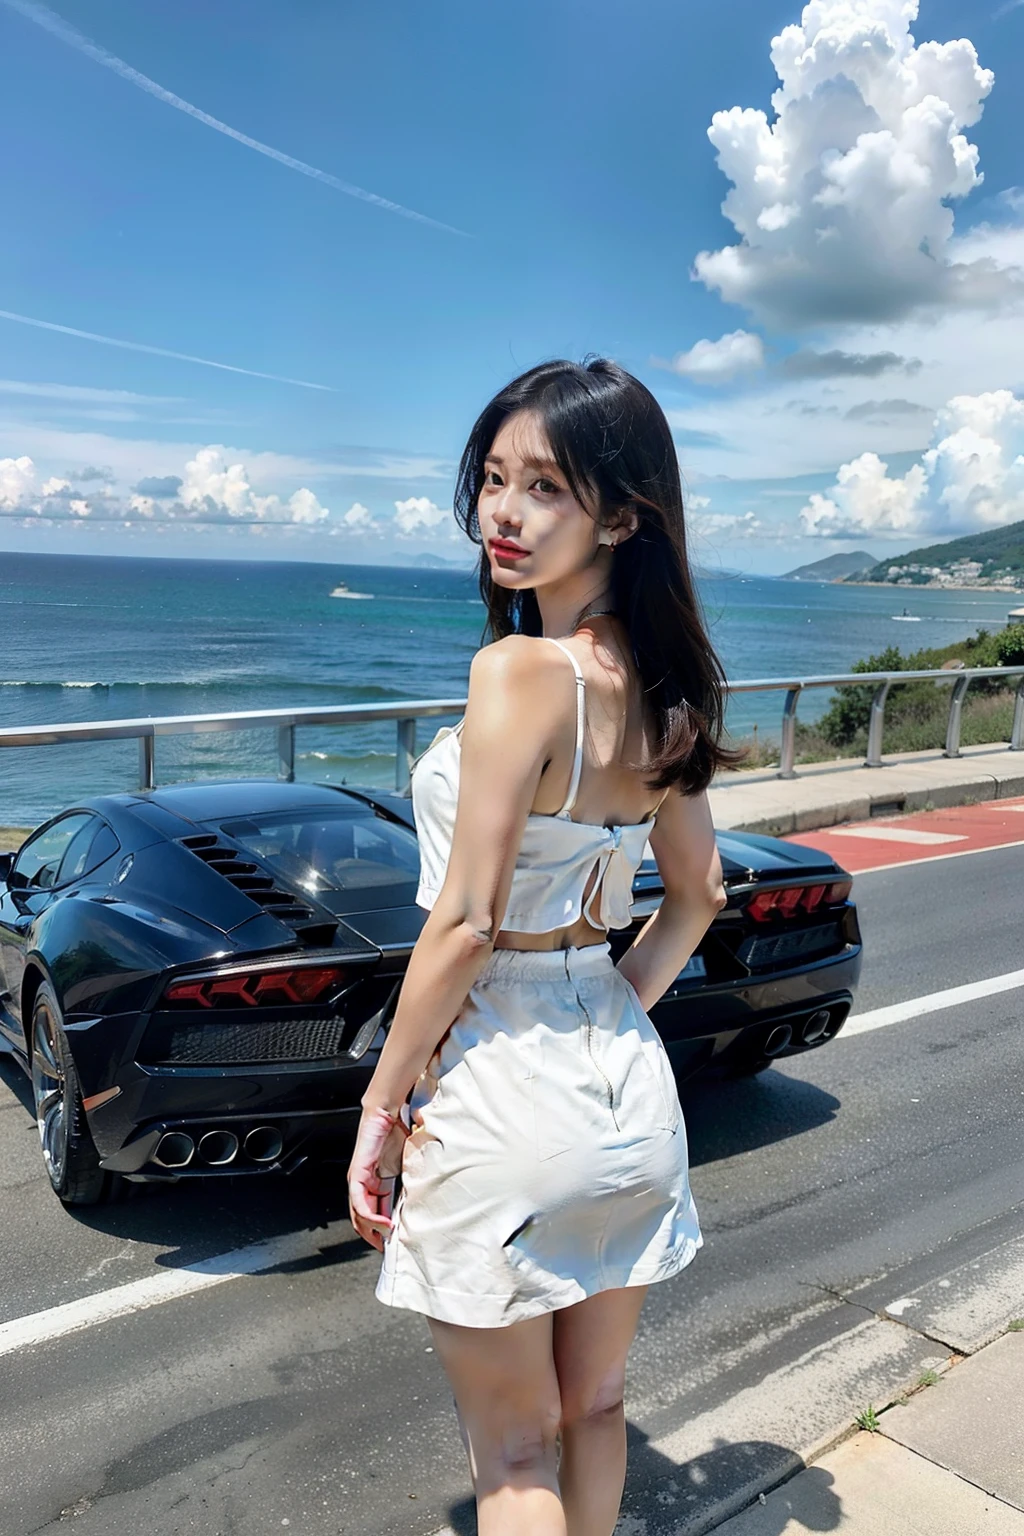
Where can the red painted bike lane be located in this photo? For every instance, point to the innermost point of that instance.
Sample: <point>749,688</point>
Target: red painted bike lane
<point>861,846</point>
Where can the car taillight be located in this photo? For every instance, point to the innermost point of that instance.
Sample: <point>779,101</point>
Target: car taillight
<point>258,989</point>
<point>789,900</point>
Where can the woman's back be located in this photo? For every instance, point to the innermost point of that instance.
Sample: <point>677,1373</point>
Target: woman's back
<point>572,867</point>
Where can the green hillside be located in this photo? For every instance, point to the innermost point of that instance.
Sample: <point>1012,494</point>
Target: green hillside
<point>999,551</point>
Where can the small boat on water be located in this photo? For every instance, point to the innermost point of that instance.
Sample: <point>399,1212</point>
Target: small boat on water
<point>341,590</point>
<point>907,618</point>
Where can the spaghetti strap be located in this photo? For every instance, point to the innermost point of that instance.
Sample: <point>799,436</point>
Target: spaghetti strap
<point>577,762</point>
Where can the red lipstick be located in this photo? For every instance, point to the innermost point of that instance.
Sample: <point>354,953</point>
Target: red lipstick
<point>507,549</point>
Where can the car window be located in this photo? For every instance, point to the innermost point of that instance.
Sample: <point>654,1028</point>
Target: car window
<point>93,843</point>
<point>318,851</point>
<point>39,859</point>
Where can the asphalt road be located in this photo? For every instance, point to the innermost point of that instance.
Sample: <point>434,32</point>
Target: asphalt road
<point>290,1400</point>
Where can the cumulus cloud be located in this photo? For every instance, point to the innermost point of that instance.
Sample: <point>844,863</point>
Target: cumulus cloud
<point>837,364</point>
<point>419,515</point>
<point>359,517</point>
<point>17,482</point>
<point>217,488</point>
<point>971,478</point>
<point>218,491</point>
<point>840,202</point>
<point>716,362</point>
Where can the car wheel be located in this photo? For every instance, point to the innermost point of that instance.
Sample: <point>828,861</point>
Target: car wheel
<point>71,1160</point>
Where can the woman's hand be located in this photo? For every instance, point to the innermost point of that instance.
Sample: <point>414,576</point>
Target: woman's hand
<point>376,1162</point>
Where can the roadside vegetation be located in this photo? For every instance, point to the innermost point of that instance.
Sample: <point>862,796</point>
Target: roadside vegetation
<point>915,713</point>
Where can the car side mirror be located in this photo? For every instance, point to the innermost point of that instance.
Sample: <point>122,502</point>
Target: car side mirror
<point>6,865</point>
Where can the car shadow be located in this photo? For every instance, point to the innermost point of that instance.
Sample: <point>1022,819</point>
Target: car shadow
<point>725,1117</point>
<point>663,1496</point>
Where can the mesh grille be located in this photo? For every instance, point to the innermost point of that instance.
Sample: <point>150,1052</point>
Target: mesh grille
<point>214,1042</point>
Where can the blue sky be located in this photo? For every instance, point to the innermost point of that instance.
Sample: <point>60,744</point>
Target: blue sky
<point>842,367</point>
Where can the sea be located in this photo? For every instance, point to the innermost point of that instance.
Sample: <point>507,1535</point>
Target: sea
<point>97,638</point>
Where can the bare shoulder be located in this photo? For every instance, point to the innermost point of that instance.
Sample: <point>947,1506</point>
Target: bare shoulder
<point>517,660</point>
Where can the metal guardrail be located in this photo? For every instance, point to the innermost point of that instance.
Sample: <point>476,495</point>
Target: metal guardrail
<point>405,715</point>
<point>960,677</point>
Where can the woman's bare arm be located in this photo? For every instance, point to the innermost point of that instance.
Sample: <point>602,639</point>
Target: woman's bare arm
<point>683,843</point>
<point>519,698</point>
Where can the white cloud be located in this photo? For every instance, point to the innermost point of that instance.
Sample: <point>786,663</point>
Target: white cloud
<point>359,517</point>
<point>17,481</point>
<point>715,362</point>
<point>841,201</point>
<point>972,477</point>
<point>733,525</point>
<point>419,515</point>
<point>54,486</point>
<point>216,489</point>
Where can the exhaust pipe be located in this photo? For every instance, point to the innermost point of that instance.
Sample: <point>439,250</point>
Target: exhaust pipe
<point>174,1150</point>
<point>218,1148</point>
<point>264,1144</point>
<point>777,1040</point>
<point>816,1028</point>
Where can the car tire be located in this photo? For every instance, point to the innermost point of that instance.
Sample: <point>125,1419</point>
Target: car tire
<point>69,1154</point>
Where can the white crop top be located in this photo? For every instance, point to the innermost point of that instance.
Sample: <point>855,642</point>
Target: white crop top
<point>556,854</point>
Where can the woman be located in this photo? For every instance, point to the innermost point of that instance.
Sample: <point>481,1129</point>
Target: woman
<point>544,1182</point>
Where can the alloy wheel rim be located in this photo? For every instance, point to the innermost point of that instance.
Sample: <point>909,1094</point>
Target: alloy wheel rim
<point>50,1094</point>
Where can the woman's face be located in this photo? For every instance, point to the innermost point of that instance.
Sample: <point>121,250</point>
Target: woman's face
<point>533,528</point>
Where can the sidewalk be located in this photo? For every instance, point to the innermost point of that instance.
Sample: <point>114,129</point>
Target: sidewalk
<point>823,794</point>
<point>949,1461</point>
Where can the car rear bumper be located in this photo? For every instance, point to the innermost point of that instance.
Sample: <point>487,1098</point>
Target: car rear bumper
<point>310,1106</point>
<point>702,1021</point>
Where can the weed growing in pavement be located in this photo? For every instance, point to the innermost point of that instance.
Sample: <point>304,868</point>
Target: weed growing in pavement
<point>927,1378</point>
<point>868,1419</point>
<point>1017,1325</point>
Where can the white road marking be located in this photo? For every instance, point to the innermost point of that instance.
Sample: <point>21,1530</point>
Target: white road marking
<point>933,858</point>
<point>898,835</point>
<point>168,1285</point>
<point>916,1007</point>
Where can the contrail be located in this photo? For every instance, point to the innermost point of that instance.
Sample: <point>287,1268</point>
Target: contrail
<point>58,27</point>
<point>140,346</point>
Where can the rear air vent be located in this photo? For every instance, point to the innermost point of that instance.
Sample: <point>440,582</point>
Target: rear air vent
<point>252,880</point>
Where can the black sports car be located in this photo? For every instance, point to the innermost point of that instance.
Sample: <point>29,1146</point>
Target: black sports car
<point>198,978</point>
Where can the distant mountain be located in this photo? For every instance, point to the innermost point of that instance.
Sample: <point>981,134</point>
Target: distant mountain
<point>439,562</point>
<point>833,567</point>
<point>997,551</point>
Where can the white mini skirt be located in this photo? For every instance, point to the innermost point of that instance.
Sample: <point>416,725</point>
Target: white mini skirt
<point>548,1157</point>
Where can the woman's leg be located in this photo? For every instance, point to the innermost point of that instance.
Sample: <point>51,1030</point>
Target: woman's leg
<point>591,1342</point>
<point>506,1391</point>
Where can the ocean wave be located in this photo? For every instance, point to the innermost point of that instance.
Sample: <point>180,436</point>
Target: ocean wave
<point>352,693</point>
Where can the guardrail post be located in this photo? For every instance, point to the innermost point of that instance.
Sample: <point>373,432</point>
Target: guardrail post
<point>956,699</point>
<point>147,762</point>
<point>286,753</point>
<point>787,746</point>
<point>405,751</point>
<point>876,723</point>
<point>1017,730</point>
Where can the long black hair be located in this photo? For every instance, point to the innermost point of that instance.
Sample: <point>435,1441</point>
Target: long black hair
<point>609,437</point>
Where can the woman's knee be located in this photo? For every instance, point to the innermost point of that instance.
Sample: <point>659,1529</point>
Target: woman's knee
<point>516,1451</point>
<point>593,1402</point>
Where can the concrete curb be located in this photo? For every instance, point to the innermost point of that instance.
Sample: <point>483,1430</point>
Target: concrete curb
<point>962,1313</point>
<point>826,794</point>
